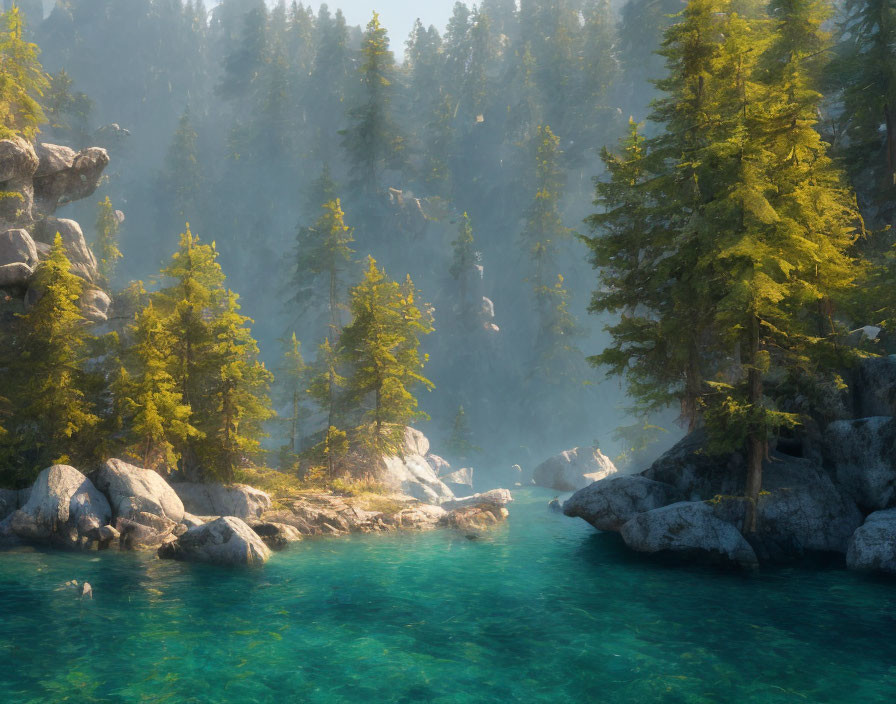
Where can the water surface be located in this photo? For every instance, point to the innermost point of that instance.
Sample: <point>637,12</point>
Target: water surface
<point>545,610</point>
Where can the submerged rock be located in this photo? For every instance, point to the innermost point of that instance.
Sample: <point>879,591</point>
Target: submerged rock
<point>690,529</point>
<point>277,535</point>
<point>873,545</point>
<point>612,502</point>
<point>574,469</point>
<point>63,508</point>
<point>240,500</point>
<point>227,541</point>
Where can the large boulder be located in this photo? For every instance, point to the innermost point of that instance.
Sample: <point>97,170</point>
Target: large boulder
<point>412,473</point>
<point>11,500</point>
<point>76,249</point>
<point>237,500</point>
<point>800,511</point>
<point>861,455</point>
<point>495,497</point>
<point>226,541</point>
<point>689,529</point>
<point>277,535</point>
<point>64,176</point>
<point>873,545</point>
<point>874,387</point>
<point>95,305</point>
<point>696,473</point>
<point>459,480</point>
<point>574,469</point>
<point>64,508</point>
<point>612,502</point>
<point>136,493</point>
<point>16,275</point>
<point>18,162</point>
<point>17,246</point>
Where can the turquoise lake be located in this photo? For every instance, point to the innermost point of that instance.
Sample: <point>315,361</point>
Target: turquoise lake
<point>544,610</point>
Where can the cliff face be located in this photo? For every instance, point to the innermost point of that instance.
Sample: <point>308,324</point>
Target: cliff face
<point>35,180</point>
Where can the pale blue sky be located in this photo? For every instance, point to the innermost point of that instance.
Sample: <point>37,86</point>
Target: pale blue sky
<point>396,15</point>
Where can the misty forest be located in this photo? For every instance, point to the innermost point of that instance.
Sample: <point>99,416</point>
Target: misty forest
<point>316,342</point>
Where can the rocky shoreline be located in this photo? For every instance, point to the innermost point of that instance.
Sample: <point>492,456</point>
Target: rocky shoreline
<point>121,506</point>
<point>829,490</point>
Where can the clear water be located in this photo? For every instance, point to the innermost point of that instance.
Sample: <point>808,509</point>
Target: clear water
<point>546,610</point>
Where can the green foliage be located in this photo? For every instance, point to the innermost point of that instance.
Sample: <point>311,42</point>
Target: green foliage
<point>151,409</point>
<point>731,230</point>
<point>322,254</point>
<point>372,141</point>
<point>292,383</point>
<point>107,230</point>
<point>22,80</point>
<point>67,111</point>
<point>45,363</point>
<point>382,348</point>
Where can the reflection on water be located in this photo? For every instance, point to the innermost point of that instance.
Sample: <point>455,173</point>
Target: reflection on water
<point>545,610</point>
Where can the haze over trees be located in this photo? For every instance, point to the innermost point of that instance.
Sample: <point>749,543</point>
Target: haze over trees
<point>411,216</point>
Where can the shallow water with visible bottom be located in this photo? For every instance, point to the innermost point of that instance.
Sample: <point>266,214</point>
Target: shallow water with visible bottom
<point>543,610</point>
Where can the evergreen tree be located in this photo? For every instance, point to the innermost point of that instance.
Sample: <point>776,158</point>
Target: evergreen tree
<point>292,385</point>
<point>866,70</point>
<point>67,111</point>
<point>54,416</point>
<point>237,402</point>
<point>22,80</point>
<point>324,389</point>
<point>156,418</point>
<point>381,346</point>
<point>322,254</point>
<point>460,445</point>
<point>181,180</point>
<point>372,140</point>
<point>464,260</point>
<point>108,225</point>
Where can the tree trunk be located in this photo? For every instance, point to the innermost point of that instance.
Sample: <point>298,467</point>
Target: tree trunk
<point>756,438</point>
<point>891,143</point>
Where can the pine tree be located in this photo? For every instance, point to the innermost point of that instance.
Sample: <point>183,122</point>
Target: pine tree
<point>544,228</point>
<point>381,346</point>
<point>54,415</point>
<point>237,402</point>
<point>292,384</point>
<point>67,111</point>
<point>460,445</point>
<point>372,140</point>
<point>22,80</point>
<point>464,260</point>
<point>181,181</point>
<point>322,255</point>
<point>866,70</point>
<point>190,305</point>
<point>324,389</point>
<point>157,419</point>
<point>108,225</point>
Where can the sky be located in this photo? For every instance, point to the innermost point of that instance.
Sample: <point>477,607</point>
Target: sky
<point>397,16</point>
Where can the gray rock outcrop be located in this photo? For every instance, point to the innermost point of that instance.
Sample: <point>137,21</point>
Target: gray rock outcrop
<point>610,503</point>
<point>227,541</point>
<point>574,469</point>
<point>690,529</point>
<point>145,508</point>
<point>239,500</point>
<point>411,471</point>
<point>63,508</point>
<point>873,546</point>
<point>495,497</point>
<point>861,455</point>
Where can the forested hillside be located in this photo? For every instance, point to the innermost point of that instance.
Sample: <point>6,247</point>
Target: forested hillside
<point>740,229</point>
